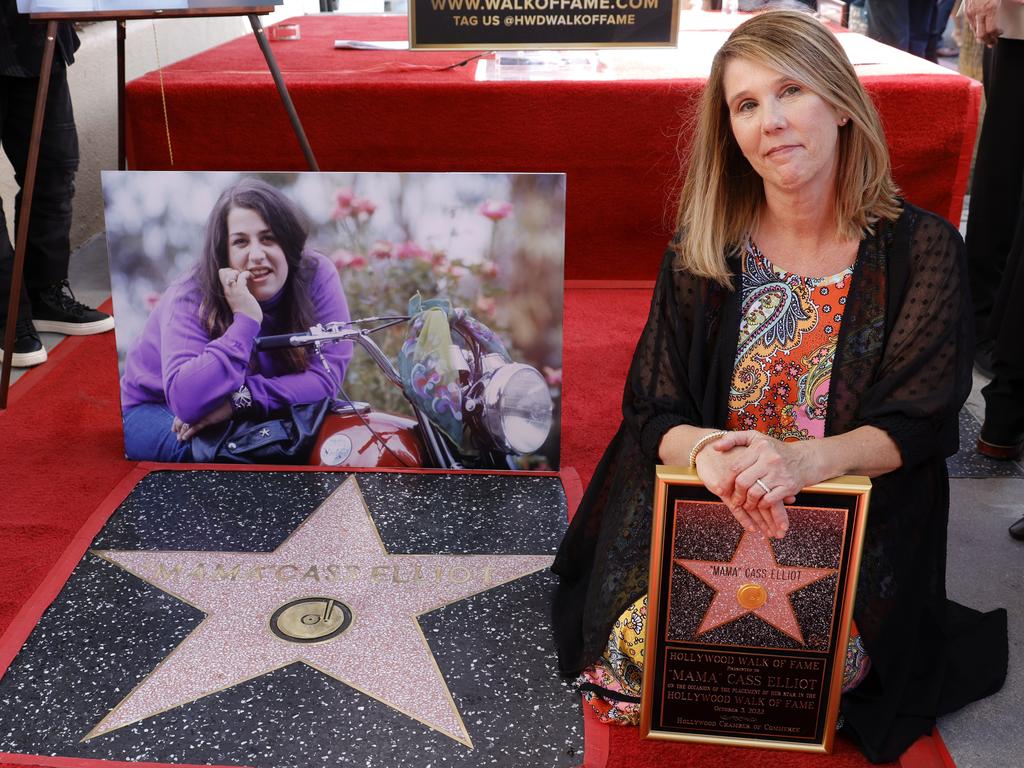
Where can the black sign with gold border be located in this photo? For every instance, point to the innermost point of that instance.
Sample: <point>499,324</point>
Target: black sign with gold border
<point>747,636</point>
<point>538,24</point>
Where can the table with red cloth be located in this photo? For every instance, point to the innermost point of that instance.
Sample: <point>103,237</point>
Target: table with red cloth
<point>616,137</point>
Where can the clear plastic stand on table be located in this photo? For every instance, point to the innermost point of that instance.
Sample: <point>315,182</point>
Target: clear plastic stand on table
<point>542,65</point>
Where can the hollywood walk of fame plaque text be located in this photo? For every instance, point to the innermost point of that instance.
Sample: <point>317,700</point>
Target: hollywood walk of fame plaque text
<point>746,635</point>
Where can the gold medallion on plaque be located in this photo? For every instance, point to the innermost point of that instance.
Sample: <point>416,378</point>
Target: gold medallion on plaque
<point>751,596</point>
<point>311,620</point>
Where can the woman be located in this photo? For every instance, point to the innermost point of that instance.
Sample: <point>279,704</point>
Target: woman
<point>195,364</point>
<point>806,323</point>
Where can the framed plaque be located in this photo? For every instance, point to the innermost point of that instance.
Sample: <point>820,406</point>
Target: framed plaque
<point>746,635</point>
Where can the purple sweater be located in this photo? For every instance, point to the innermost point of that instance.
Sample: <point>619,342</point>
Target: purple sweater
<point>175,362</point>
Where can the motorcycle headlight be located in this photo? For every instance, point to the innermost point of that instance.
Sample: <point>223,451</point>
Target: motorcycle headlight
<point>517,408</point>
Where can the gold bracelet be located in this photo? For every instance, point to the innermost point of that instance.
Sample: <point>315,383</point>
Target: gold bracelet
<point>704,442</point>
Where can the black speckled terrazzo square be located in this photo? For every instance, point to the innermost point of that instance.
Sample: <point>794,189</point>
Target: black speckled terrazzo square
<point>113,630</point>
<point>969,463</point>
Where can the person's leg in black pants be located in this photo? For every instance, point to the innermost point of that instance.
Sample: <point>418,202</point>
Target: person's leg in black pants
<point>28,350</point>
<point>1004,395</point>
<point>903,24</point>
<point>1002,434</point>
<point>941,16</point>
<point>49,246</point>
<point>998,183</point>
<point>889,22</point>
<point>920,19</point>
<point>45,295</point>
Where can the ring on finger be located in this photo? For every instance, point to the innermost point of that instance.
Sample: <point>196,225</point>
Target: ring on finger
<point>764,486</point>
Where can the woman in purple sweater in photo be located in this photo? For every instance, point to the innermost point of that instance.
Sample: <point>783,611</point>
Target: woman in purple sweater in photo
<point>195,363</point>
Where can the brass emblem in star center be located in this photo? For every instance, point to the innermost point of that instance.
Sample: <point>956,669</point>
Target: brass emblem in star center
<point>311,620</point>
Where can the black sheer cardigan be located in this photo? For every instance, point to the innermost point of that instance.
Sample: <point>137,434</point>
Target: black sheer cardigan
<point>903,364</point>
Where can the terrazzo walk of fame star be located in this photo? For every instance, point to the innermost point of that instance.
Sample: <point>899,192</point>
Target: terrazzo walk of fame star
<point>298,618</point>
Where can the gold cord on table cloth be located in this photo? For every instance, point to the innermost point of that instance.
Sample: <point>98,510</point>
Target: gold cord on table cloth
<point>163,95</point>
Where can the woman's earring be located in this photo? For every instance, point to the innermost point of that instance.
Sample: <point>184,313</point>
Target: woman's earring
<point>844,121</point>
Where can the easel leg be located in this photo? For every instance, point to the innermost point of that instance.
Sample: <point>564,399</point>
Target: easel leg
<point>261,38</point>
<point>21,240</point>
<point>122,162</point>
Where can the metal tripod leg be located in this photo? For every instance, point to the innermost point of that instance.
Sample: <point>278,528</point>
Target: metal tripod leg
<point>261,38</point>
<point>21,239</point>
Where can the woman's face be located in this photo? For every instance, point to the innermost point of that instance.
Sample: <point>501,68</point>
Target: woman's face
<point>253,247</point>
<point>788,133</point>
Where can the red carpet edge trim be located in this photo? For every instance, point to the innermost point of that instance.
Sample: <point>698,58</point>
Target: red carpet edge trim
<point>595,738</point>
<point>27,618</point>
<point>573,487</point>
<point>928,752</point>
<point>83,762</point>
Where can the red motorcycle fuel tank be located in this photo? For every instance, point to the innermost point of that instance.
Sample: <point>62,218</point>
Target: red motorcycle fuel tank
<point>368,439</point>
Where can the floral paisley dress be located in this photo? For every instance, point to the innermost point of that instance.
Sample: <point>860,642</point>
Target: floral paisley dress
<point>789,329</point>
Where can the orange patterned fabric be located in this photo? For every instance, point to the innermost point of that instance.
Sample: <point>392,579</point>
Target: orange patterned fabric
<point>788,332</point>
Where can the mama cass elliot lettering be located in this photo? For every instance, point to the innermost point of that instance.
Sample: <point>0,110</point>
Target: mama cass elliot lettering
<point>329,573</point>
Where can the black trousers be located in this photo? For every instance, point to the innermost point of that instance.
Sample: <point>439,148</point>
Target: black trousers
<point>903,24</point>
<point>995,240</point>
<point>1004,395</point>
<point>49,247</point>
<point>998,179</point>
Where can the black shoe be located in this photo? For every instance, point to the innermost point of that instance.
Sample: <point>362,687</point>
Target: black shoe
<point>28,349</point>
<point>56,310</point>
<point>1017,530</point>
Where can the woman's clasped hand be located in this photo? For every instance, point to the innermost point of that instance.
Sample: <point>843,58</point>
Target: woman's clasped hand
<point>755,476</point>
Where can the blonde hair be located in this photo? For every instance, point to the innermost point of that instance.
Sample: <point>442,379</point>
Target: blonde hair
<point>722,195</point>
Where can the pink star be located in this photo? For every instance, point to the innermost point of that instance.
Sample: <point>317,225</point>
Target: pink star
<point>753,582</point>
<point>335,557</point>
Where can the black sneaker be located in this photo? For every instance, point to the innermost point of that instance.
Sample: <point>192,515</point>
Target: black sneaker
<point>56,310</point>
<point>28,349</point>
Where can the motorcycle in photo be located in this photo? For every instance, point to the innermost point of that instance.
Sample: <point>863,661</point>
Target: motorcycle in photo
<point>495,410</point>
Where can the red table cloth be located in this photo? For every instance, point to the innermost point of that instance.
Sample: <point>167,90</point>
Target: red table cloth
<point>617,139</point>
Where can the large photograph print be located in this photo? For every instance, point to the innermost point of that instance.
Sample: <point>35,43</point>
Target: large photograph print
<point>340,319</point>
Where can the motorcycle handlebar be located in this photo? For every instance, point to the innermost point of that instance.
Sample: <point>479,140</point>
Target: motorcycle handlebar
<point>361,338</point>
<point>275,342</point>
<point>305,339</point>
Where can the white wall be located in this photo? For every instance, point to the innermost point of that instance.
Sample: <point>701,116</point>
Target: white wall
<point>93,82</point>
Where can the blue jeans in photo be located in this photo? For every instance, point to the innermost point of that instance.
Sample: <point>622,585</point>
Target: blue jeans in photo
<point>148,435</point>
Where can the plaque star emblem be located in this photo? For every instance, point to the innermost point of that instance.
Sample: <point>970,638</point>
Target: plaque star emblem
<point>330,596</point>
<point>753,582</point>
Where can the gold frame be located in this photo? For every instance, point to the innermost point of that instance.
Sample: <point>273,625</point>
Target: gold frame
<point>849,486</point>
<point>672,42</point>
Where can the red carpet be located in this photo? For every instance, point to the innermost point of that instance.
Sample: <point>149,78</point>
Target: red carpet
<point>61,455</point>
<point>618,141</point>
